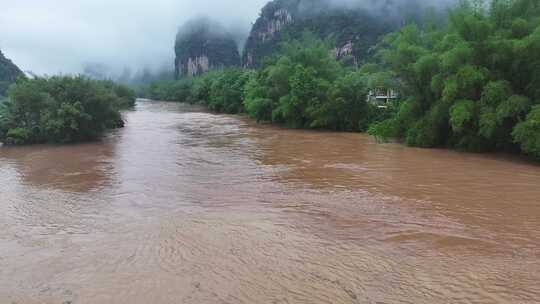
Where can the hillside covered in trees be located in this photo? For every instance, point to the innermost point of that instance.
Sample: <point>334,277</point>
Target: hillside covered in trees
<point>8,73</point>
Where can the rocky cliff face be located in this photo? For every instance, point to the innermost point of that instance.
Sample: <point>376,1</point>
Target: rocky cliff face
<point>197,65</point>
<point>354,29</point>
<point>202,45</point>
<point>8,73</point>
<point>279,20</point>
<point>346,50</point>
<point>275,16</point>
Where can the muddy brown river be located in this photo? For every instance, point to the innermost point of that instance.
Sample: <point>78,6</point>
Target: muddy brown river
<point>184,206</point>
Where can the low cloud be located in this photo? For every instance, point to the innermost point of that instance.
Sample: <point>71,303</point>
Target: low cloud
<point>65,36</point>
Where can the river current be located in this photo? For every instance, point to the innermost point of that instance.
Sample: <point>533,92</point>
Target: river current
<point>186,206</point>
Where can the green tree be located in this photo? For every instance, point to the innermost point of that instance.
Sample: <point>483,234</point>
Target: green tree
<point>61,109</point>
<point>527,133</point>
<point>470,83</point>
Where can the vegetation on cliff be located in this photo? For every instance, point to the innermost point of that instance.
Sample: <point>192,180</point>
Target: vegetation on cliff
<point>61,109</point>
<point>8,74</point>
<point>353,28</point>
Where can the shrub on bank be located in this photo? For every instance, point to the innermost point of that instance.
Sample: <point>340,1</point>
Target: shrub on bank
<point>62,109</point>
<point>527,133</point>
<point>219,90</point>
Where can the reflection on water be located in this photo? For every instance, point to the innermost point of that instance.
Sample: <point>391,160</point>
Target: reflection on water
<point>184,206</point>
<point>77,168</point>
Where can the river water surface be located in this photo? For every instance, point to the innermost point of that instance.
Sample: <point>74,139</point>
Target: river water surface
<point>184,206</point>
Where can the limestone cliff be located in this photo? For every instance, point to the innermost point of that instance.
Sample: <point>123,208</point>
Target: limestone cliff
<point>8,73</point>
<point>274,17</point>
<point>202,45</point>
<point>354,29</point>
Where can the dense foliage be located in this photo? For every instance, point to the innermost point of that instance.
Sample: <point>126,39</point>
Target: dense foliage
<point>220,90</point>
<point>473,83</point>
<point>8,74</point>
<point>61,110</point>
<point>306,87</point>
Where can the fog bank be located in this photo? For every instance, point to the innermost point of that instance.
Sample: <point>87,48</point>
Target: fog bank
<point>65,36</point>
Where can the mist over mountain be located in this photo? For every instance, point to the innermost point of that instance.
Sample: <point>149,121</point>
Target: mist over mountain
<point>354,25</point>
<point>203,44</point>
<point>63,36</point>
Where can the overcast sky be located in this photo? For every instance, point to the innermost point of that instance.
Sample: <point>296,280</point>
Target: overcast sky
<point>61,36</point>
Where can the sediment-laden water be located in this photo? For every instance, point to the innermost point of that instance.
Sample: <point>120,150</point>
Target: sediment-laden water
<point>184,206</point>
